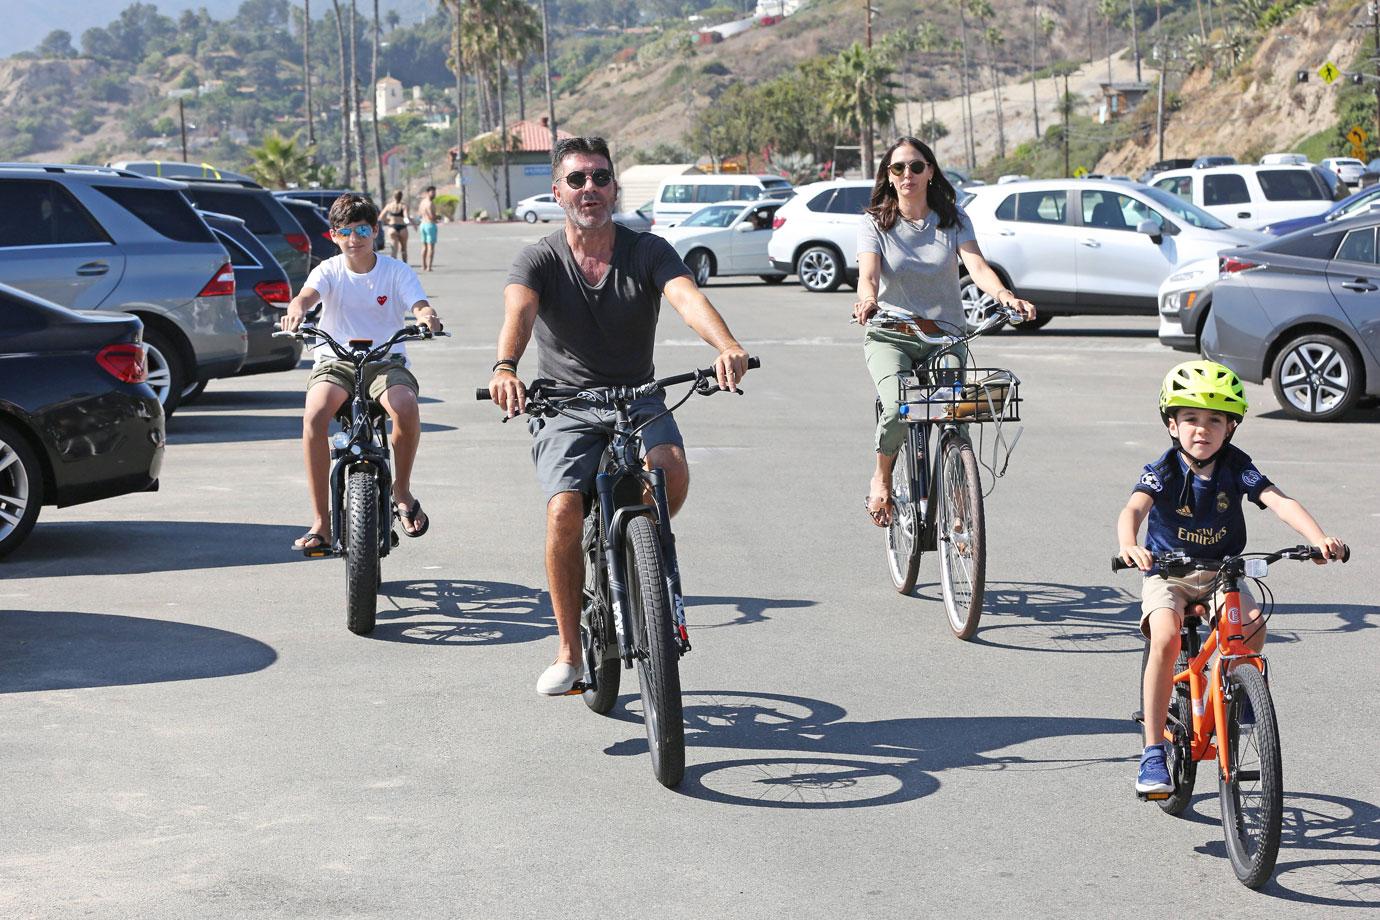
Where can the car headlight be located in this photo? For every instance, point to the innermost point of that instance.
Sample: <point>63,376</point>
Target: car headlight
<point>1171,304</point>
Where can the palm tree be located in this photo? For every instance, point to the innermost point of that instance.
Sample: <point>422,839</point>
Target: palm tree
<point>992,37</point>
<point>354,97</point>
<point>969,148</point>
<point>306,71</point>
<point>1108,9</point>
<point>374,82</point>
<point>546,69</point>
<point>344,94</point>
<point>859,95</point>
<point>279,161</point>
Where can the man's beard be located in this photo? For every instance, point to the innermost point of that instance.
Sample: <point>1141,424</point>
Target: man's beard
<point>588,221</point>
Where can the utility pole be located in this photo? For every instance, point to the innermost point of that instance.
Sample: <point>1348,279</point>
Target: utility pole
<point>546,66</point>
<point>1135,39</point>
<point>867,15</point>
<point>1375,24</point>
<point>1064,106</point>
<point>182,121</point>
<point>1034,44</point>
<point>1160,51</point>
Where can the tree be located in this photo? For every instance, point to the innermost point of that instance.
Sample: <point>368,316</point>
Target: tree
<point>1108,9</point>
<point>374,82</point>
<point>56,44</point>
<point>344,95</point>
<point>279,162</point>
<point>354,97</point>
<point>306,74</point>
<point>859,96</point>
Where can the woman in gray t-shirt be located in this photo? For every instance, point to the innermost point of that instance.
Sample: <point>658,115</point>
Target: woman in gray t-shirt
<point>909,244</point>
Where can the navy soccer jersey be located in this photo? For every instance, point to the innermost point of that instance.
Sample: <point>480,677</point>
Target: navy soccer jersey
<point>1201,517</point>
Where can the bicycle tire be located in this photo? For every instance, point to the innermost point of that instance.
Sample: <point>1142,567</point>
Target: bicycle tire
<point>1183,769</point>
<point>1253,802</point>
<point>362,569</point>
<point>597,631</point>
<point>907,521</point>
<point>658,668</point>
<point>960,536</point>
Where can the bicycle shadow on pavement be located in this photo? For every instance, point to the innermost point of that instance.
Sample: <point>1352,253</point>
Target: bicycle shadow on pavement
<point>462,613</point>
<point>1034,617</point>
<point>1329,850</point>
<point>136,547</point>
<point>804,753</point>
<point>217,400</point>
<point>211,428</point>
<point>68,650</point>
<point>749,609</point>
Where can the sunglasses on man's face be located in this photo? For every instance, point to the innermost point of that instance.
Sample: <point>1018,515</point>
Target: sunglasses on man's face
<point>916,167</point>
<point>576,179</point>
<point>363,231</point>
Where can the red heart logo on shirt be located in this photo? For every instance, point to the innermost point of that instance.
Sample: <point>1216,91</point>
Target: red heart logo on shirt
<point>382,299</point>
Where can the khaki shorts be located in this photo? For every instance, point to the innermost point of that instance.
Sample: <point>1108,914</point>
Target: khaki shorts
<point>378,376</point>
<point>1175,594</point>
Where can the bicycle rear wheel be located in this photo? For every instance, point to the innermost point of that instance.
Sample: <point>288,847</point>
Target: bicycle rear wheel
<point>658,668</point>
<point>362,570</point>
<point>597,632</point>
<point>961,537</point>
<point>903,535</point>
<point>1253,801</point>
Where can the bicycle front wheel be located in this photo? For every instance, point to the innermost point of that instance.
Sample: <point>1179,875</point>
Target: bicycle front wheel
<point>361,551</point>
<point>658,665</point>
<point>903,535</point>
<point>1253,801</point>
<point>961,537</point>
<point>597,631</point>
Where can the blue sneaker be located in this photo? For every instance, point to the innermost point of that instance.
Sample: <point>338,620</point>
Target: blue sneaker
<point>1153,775</point>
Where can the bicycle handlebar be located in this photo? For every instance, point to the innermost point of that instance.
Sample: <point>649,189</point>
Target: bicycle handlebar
<point>1180,562</point>
<point>539,391</point>
<point>418,331</point>
<point>928,331</point>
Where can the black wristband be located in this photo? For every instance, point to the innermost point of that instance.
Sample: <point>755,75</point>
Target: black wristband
<point>510,363</point>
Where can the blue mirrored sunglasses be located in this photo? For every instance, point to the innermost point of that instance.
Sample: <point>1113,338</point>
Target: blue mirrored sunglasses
<point>364,231</point>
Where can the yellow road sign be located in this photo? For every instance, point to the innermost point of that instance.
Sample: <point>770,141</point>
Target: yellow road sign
<point>1080,172</point>
<point>1329,72</point>
<point>1357,135</point>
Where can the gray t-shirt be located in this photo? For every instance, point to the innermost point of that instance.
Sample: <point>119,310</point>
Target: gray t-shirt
<point>919,264</point>
<point>597,335</point>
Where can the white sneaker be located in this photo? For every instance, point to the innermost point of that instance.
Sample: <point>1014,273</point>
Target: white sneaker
<point>559,679</point>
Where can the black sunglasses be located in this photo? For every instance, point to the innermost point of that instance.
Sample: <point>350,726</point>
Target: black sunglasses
<point>576,179</point>
<point>916,167</point>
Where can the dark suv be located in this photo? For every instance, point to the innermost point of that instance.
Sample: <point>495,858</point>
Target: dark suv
<point>322,199</point>
<point>265,216</point>
<point>89,237</point>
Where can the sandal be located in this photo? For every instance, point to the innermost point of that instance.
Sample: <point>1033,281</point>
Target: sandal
<point>310,540</point>
<point>409,518</point>
<point>881,516</point>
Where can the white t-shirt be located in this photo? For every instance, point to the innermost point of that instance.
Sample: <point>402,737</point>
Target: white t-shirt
<point>369,306</point>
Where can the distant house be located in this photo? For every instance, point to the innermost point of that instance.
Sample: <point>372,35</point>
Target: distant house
<point>1120,98</point>
<point>529,167</point>
<point>388,96</point>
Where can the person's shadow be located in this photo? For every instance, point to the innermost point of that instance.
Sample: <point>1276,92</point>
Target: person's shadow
<point>1037,617</point>
<point>804,753</point>
<point>1329,850</point>
<point>462,613</point>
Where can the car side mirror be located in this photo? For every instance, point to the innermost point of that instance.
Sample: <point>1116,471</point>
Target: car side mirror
<point>744,227</point>
<point>1150,229</point>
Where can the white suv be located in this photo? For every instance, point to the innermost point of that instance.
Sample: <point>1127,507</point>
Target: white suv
<point>815,234</point>
<point>1088,245</point>
<point>1250,196</point>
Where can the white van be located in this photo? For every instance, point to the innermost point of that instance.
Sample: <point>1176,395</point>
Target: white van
<point>680,196</point>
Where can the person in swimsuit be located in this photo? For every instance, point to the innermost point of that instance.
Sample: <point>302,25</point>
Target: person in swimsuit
<point>395,223</point>
<point>427,212</point>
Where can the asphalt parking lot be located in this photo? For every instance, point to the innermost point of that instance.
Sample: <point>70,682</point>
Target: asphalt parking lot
<point>189,729</point>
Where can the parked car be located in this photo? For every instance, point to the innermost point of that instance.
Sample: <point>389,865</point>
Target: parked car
<point>1348,169</point>
<point>544,208</point>
<point>1367,199</point>
<point>815,234</point>
<point>1185,298</point>
<point>639,219</point>
<point>680,196</point>
<point>1206,162</point>
<point>1304,311</point>
<point>1089,245</point>
<point>78,420</point>
<point>317,228</point>
<point>960,179</point>
<point>1337,189</point>
<point>1249,196</point>
<point>267,219</point>
<point>262,294</point>
<point>174,169</point>
<point>1284,159</point>
<point>1154,169</point>
<point>323,198</point>
<point>1011,177</point>
<point>90,237</point>
<point>729,238</point>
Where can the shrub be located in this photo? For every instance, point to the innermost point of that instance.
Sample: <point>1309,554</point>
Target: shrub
<point>446,205</point>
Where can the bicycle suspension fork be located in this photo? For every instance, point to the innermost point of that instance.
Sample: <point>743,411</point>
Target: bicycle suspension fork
<point>668,555</point>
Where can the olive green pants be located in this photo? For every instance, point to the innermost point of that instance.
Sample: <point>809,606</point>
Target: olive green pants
<point>888,356</point>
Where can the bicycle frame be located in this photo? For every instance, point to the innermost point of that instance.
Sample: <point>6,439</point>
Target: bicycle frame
<point>926,473</point>
<point>366,446</point>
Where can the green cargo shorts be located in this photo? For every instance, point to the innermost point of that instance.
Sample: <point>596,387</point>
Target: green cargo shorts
<point>378,376</point>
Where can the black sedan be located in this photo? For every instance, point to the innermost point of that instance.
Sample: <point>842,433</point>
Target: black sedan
<point>318,229</point>
<point>78,421</point>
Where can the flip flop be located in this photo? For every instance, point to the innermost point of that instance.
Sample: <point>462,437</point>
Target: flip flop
<point>880,516</point>
<point>409,518</point>
<point>310,540</point>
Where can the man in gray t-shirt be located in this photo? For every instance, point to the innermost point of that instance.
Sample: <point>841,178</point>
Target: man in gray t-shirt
<point>593,291</point>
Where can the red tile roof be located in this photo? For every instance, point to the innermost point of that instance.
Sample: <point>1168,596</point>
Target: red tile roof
<point>534,136</point>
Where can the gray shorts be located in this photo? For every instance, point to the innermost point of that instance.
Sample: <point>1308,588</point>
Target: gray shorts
<point>567,452</point>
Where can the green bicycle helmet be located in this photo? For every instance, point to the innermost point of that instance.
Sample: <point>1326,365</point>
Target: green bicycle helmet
<point>1202,385</point>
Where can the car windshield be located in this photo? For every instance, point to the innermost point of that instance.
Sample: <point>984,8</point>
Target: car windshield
<point>1188,213</point>
<point>713,217</point>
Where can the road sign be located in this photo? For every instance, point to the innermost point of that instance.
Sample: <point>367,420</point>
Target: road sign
<point>1080,172</point>
<point>1357,136</point>
<point>1329,72</point>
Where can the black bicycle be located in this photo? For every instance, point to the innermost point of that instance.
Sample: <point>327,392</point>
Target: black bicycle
<point>362,508</point>
<point>937,397</point>
<point>633,610</point>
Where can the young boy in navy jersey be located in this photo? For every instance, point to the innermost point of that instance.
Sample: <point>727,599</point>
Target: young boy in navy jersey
<point>1192,496</point>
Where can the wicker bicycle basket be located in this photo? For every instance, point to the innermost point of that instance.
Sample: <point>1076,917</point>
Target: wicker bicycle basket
<point>969,394</point>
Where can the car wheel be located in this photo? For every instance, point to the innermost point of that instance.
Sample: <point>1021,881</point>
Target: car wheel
<point>976,302</point>
<point>21,488</point>
<point>820,269</point>
<point>1316,377</point>
<point>193,391</point>
<point>166,375</point>
<point>772,279</point>
<point>700,265</point>
<point>530,217</point>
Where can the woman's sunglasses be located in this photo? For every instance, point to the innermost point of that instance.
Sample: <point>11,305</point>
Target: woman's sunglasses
<point>363,231</point>
<point>916,167</point>
<point>576,179</point>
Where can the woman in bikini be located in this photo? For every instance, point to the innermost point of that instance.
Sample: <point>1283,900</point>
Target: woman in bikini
<point>395,224</point>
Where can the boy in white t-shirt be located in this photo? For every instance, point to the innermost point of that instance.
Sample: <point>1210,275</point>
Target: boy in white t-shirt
<point>364,295</point>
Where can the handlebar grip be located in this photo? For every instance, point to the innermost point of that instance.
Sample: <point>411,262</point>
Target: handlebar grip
<point>754,362</point>
<point>1118,564</point>
<point>1346,553</point>
<point>482,394</point>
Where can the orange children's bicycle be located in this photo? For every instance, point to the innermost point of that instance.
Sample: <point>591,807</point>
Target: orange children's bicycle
<point>1221,710</point>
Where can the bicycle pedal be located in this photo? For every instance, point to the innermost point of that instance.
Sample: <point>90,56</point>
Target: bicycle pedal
<point>1138,716</point>
<point>577,688</point>
<point>1152,796</point>
<point>318,552</point>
